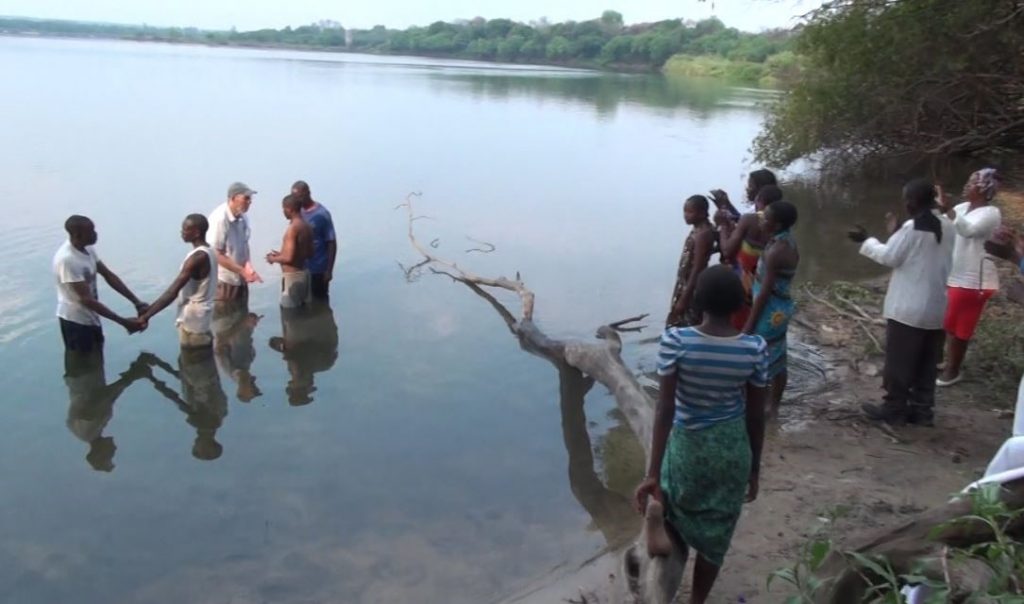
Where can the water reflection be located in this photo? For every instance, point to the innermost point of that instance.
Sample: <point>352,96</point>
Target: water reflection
<point>91,403</point>
<point>610,510</point>
<point>606,92</point>
<point>233,348</point>
<point>309,345</point>
<point>201,399</point>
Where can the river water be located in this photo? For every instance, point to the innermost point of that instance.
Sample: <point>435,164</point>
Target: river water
<point>412,452</point>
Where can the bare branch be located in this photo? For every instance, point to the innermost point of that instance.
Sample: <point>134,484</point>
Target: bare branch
<point>487,249</point>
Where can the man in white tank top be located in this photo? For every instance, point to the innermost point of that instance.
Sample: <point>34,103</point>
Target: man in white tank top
<point>195,287</point>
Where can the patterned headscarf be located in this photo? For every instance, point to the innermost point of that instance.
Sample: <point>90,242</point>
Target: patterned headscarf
<point>986,181</point>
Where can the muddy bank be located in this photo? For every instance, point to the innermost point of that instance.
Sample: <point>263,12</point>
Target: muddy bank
<point>827,470</point>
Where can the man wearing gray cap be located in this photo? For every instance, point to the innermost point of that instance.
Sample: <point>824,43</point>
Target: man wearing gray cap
<point>229,237</point>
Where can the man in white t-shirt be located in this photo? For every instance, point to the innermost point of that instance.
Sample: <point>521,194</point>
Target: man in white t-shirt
<point>75,266</point>
<point>229,237</point>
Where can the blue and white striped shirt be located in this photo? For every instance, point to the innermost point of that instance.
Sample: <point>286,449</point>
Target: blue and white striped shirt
<point>713,373</point>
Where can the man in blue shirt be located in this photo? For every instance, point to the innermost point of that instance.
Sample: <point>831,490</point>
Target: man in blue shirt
<point>325,247</point>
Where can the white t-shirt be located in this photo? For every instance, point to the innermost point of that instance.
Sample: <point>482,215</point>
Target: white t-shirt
<point>73,266</point>
<point>920,266</point>
<point>229,234</point>
<point>972,267</point>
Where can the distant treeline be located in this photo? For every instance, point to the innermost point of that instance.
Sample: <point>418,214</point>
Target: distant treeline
<point>603,42</point>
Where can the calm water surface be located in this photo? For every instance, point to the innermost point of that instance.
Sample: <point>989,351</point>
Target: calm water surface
<point>410,451</point>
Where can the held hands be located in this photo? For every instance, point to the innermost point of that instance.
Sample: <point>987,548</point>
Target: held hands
<point>141,308</point>
<point>271,255</point>
<point>134,325</point>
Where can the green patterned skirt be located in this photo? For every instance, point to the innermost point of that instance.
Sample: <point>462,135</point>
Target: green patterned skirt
<point>704,477</point>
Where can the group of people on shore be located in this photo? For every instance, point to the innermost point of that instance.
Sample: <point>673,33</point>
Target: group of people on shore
<point>722,357</point>
<point>213,321</point>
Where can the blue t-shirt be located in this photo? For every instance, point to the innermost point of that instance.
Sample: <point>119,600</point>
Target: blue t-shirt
<point>323,232</point>
<point>713,373</point>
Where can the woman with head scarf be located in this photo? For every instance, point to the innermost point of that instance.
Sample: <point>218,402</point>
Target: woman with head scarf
<point>973,279</point>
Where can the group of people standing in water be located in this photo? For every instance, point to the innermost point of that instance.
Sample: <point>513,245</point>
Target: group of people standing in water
<point>722,356</point>
<point>213,321</point>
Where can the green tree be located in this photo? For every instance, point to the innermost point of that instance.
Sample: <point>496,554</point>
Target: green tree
<point>510,47</point>
<point>558,48</point>
<point>611,21</point>
<point>907,78</point>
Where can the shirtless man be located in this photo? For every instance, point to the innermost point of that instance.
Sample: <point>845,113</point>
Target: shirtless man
<point>296,249</point>
<point>195,287</point>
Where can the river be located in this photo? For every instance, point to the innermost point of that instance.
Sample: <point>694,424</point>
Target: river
<point>415,453</point>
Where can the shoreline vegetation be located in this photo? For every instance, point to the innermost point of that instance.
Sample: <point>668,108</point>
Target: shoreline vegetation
<point>675,47</point>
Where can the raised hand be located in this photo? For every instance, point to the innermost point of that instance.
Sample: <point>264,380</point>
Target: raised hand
<point>857,234</point>
<point>892,222</point>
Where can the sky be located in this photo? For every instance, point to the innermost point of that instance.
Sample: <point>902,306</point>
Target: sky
<point>748,15</point>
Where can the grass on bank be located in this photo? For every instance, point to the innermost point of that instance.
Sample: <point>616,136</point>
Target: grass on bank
<point>774,72</point>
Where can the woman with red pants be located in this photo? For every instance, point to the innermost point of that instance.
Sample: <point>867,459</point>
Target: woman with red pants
<point>974,278</point>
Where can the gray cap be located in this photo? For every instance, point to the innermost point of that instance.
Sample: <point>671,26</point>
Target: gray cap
<point>239,188</point>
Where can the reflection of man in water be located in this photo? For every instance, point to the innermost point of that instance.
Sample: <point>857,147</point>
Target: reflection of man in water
<point>202,399</point>
<point>92,403</point>
<point>309,344</point>
<point>233,325</point>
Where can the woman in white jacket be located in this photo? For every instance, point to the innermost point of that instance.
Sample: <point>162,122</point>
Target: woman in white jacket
<point>973,279</point>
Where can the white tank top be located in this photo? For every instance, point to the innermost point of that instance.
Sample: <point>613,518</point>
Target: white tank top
<point>195,301</point>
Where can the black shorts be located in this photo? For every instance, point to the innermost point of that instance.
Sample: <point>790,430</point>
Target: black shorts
<point>81,338</point>
<point>319,287</point>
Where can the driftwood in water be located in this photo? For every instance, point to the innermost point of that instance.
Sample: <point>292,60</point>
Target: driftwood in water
<point>649,580</point>
<point>919,547</point>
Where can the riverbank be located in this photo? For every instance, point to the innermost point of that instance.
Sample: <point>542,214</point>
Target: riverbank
<point>770,74</point>
<point>829,472</point>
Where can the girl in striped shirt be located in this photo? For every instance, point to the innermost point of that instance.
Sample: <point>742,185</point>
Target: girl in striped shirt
<point>708,431</point>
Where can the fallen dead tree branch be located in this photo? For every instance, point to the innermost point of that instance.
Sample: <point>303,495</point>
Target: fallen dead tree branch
<point>648,580</point>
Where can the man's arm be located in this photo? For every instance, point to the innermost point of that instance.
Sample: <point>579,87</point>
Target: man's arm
<point>179,282</point>
<point>85,297</point>
<point>117,285</point>
<point>892,253</point>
